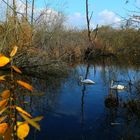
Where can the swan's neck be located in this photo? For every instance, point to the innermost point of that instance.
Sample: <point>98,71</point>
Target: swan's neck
<point>81,78</point>
<point>111,83</point>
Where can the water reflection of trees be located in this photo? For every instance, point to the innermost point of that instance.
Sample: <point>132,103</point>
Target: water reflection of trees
<point>83,102</point>
<point>119,104</point>
<point>45,96</point>
<point>48,92</point>
<point>51,89</point>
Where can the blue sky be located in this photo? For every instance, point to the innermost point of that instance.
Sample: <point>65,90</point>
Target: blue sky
<point>105,12</point>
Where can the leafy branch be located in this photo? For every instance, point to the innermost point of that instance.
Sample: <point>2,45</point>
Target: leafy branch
<point>10,111</point>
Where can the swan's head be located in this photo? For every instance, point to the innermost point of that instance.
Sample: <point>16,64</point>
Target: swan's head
<point>80,77</point>
<point>112,81</point>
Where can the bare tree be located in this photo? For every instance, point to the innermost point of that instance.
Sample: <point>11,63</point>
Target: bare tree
<point>90,49</point>
<point>88,22</point>
<point>26,9</point>
<point>7,11</point>
<point>32,14</point>
<point>14,10</point>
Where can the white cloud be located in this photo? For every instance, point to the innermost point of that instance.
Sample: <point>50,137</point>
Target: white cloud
<point>47,13</point>
<point>104,17</point>
<point>107,17</point>
<point>20,7</point>
<point>77,20</point>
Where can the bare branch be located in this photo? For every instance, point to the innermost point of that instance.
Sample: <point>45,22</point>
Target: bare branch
<point>91,16</point>
<point>12,8</point>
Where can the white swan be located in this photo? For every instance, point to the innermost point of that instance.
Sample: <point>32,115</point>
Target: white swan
<point>117,87</point>
<point>86,81</point>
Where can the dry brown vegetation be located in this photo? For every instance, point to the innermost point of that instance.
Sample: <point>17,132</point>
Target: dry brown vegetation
<point>47,39</point>
<point>57,43</point>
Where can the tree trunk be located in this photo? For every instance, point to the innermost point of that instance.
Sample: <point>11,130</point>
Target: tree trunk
<point>88,22</point>
<point>26,10</point>
<point>14,10</point>
<point>15,21</point>
<point>7,11</point>
<point>32,15</point>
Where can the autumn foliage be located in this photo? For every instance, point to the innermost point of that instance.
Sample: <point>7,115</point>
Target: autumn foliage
<point>10,111</point>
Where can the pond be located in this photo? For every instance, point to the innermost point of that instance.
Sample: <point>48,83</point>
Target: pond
<point>73,111</point>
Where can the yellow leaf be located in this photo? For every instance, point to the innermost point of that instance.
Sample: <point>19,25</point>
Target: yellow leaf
<point>19,109</point>
<point>3,128</point>
<point>5,94</point>
<point>37,119</point>
<point>2,78</point>
<point>3,110</point>
<point>19,123</point>
<point>16,69</point>
<point>24,84</point>
<point>30,121</point>
<point>23,130</point>
<point>2,118</point>
<point>3,103</point>
<point>14,51</point>
<point>3,60</point>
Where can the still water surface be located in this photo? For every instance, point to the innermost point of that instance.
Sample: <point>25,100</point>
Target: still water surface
<point>73,111</point>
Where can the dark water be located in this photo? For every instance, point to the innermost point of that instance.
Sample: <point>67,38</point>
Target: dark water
<point>73,111</point>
